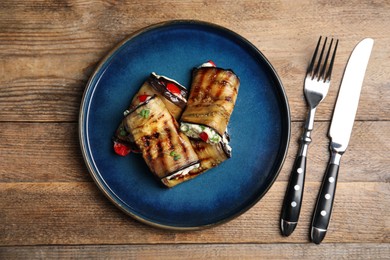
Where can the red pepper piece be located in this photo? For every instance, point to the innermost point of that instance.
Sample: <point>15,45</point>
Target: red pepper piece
<point>121,149</point>
<point>173,88</point>
<point>212,63</point>
<point>204,136</point>
<point>142,98</point>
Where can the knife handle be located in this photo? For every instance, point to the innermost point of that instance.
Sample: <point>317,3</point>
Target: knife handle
<point>323,210</point>
<point>293,197</point>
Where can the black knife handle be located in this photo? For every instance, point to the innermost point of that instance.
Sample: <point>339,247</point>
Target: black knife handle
<point>293,197</point>
<point>323,210</point>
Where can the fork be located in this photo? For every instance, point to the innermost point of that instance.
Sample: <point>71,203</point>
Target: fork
<point>316,87</point>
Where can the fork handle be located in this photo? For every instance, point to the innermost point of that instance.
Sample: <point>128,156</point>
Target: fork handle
<point>292,202</point>
<point>293,197</point>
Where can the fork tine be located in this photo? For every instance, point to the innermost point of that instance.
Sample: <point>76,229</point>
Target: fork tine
<point>317,69</point>
<point>322,73</point>
<point>329,73</point>
<point>313,59</point>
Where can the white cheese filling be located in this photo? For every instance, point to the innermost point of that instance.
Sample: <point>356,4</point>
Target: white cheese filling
<point>182,172</point>
<point>196,131</point>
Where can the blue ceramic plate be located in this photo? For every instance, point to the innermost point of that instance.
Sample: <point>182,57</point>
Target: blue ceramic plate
<point>259,126</point>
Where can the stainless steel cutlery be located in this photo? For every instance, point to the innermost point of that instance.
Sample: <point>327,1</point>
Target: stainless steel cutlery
<point>316,87</point>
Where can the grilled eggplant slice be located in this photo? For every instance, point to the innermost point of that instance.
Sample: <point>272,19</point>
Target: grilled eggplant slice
<point>167,152</point>
<point>172,93</point>
<point>210,104</point>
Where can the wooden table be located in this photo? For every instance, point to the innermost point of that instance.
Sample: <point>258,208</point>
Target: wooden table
<point>49,204</point>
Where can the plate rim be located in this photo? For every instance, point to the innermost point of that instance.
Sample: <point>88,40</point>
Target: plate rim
<point>101,183</point>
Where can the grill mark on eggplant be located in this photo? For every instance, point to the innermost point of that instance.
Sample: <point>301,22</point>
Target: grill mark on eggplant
<point>168,132</point>
<point>169,138</point>
<point>160,153</point>
<point>178,141</point>
<point>159,118</point>
<point>207,88</point>
<point>221,85</point>
<point>184,149</point>
<point>150,141</point>
<point>199,147</point>
<point>197,88</point>
<point>146,153</point>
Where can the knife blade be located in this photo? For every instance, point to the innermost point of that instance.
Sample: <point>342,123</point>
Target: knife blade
<point>339,133</point>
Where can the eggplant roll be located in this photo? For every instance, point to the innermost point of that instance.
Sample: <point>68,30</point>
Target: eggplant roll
<point>172,93</point>
<point>167,152</point>
<point>210,104</point>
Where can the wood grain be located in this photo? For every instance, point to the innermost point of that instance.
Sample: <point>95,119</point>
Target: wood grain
<point>50,207</point>
<point>77,213</point>
<point>44,152</point>
<point>55,46</point>
<point>203,251</point>
<point>50,152</point>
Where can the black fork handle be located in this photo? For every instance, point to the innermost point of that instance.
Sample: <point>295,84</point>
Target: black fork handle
<point>292,203</point>
<point>293,198</point>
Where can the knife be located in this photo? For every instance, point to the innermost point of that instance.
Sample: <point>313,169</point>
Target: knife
<point>340,133</point>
